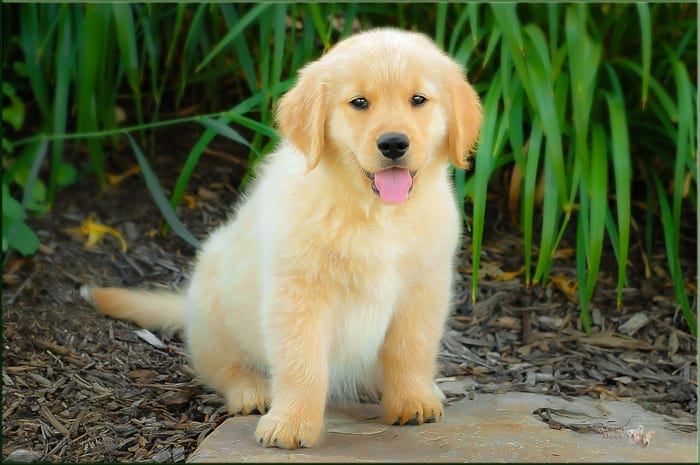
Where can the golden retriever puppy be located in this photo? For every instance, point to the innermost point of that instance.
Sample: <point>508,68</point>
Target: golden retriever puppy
<point>335,272</point>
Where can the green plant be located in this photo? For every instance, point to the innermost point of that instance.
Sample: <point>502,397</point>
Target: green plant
<point>573,106</point>
<point>561,115</point>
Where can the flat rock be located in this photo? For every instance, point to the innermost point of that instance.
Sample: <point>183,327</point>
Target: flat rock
<point>489,428</point>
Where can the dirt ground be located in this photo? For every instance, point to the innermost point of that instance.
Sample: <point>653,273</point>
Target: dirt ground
<point>79,387</point>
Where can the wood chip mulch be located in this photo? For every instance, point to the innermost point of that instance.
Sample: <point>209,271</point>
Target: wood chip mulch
<point>79,387</point>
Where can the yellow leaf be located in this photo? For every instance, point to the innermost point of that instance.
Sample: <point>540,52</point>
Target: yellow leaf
<point>95,231</point>
<point>190,200</point>
<point>567,286</point>
<point>508,275</point>
<point>113,179</point>
<point>564,253</point>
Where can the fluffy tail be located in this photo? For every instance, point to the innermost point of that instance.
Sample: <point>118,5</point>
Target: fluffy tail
<point>152,310</point>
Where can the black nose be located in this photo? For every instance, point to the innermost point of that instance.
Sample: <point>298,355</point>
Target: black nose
<point>393,144</point>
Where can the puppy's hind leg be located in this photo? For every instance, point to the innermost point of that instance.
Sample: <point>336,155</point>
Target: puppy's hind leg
<point>246,390</point>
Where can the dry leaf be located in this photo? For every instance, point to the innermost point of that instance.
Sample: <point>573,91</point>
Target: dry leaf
<point>151,338</point>
<point>114,179</point>
<point>673,343</point>
<point>94,232</point>
<point>631,326</point>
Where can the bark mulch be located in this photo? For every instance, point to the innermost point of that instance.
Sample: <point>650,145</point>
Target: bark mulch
<point>79,387</point>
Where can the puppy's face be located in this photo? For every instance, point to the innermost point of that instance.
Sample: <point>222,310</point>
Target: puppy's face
<point>382,105</point>
<point>388,118</point>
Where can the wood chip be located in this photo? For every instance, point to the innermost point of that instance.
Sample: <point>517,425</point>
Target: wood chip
<point>48,416</point>
<point>151,338</point>
<point>632,325</point>
<point>615,342</point>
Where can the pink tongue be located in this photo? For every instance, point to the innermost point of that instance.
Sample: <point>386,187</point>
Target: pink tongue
<point>393,184</point>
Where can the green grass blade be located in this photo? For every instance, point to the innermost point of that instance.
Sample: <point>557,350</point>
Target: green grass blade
<point>441,24</point>
<point>37,153</point>
<point>514,111</point>
<point>583,60</point>
<point>126,38</point>
<point>645,25</point>
<point>175,33</point>
<point>320,24</point>
<point>669,105</point>
<point>194,32</point>
<point>220,127</point>
<point>256,126</point>
<point>240,44</point>
<point>190,164</point>
<point>553,25</point>
<point>530,179</point>
<point>581,257</point>
<point>622,169</point>
<point>473,10</point>
<point>64,54</point>
<point>550,219</point>
<point>279,31</point>
<point>673,254</point>
<point>459,30</point>
<point>460,180</point>
<point>95,28</point>
<point>160,198</point>
<point>538,67</point>
<point>494,39</point>
<point>596,223</point>
<point>686,135</point>
<point>350,17</point>
<point>485,163</point>
<point>29,36</point>
<point>513,43</point>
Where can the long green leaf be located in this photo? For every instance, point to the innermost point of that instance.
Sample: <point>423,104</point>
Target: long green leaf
<point>622,169</point>
<point>64,67</point>
<point>530,178</point>
<point>30,34</point>
<point>94,38</point>
<point>485,163</point>
<point>645,25</point>
<point>673,255</point>
<point>227,131</point>
<point>239,27</point>
<point>159,197</point>
<point>596,220</point>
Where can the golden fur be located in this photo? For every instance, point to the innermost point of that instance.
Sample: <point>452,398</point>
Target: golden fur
<point>318,287</point>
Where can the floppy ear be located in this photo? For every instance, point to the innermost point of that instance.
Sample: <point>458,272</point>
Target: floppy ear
<point>301,113</point>
<point>465,122</point>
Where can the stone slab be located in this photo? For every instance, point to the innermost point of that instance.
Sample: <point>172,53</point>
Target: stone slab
<point>489,428</point>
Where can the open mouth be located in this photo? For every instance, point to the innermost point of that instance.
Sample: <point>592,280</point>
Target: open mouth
<point>392,185</point>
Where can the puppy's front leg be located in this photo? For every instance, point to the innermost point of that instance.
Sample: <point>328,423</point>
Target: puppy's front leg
<point>298,343</point>
<point>409,356</point>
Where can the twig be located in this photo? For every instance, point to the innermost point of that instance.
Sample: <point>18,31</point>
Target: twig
<point>21,287</point>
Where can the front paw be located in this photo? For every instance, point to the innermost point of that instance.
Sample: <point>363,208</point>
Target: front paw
<point>287,431</point>
<point>412,411</point>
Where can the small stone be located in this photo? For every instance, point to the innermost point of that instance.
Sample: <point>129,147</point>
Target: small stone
<point>23,456</point>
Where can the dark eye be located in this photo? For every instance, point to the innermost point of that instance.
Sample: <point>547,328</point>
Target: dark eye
<point>359,103</point>
<point>418,100</point>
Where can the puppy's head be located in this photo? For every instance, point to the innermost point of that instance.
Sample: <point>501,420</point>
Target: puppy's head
<point>382,104</point>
